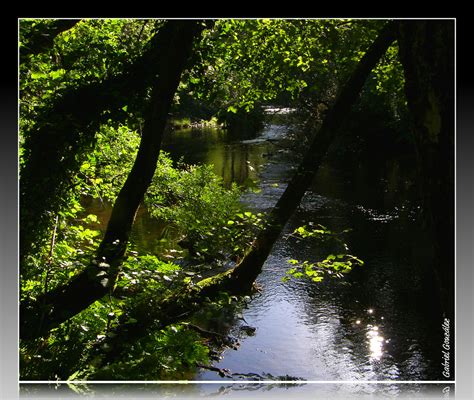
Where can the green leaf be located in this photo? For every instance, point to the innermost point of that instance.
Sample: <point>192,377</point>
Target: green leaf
<point>73,376</point>
<point>38,75</point>
<point>91,218</point>
<point>57,74</point>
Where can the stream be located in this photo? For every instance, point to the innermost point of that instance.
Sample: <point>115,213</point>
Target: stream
<point>378,323</point>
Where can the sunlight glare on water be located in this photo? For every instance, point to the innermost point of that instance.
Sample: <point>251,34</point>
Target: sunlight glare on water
<point>375,342</point>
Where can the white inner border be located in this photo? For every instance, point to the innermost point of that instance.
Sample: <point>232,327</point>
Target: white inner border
<point>241,382</point>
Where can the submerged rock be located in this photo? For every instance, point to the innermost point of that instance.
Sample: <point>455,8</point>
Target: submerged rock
<point>249,330</point>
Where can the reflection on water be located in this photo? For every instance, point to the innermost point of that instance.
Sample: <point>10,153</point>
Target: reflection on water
<point>238,390</point>
<point>234,160</point>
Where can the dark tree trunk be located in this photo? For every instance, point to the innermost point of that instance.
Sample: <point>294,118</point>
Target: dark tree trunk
<point>427,55</point>
<point>64,302</point>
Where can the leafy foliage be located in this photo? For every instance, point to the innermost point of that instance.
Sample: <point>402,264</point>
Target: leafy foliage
<point>75,240</point>
<point>105,169</point>
<point>171,353</point>
<point>209,217</point>
<point>70,61</point>
<point>71,350</point>
<point>335,265</point>
<point>244,62</point>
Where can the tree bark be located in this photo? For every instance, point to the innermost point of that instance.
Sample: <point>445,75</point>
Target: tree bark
<point>64,302</point>
<point>427,55</point>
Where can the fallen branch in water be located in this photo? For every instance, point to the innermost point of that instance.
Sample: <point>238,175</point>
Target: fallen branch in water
<point>226,373</point>
<point>223,372</point>
<point>223,339</point>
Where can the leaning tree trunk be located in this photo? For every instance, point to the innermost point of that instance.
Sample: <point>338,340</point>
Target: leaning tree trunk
<point>57,306</point>
<point>427,55</point>
<point>246,272</point>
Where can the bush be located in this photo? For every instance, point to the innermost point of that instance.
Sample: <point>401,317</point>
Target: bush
<point>210,218</point>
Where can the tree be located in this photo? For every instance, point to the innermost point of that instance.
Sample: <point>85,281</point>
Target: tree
<point>245,273</point>
<point>56,306</point>
<point>245,63</point>
<point>63,132</point>
<point>426,52</point>
<point>60,304</point>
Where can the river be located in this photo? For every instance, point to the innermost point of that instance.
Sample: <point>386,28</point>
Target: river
<point>378,323</point>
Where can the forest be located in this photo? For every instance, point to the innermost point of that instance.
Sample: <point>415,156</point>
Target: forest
<point>236,199</point>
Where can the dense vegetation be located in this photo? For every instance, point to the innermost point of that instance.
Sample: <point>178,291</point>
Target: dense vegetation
<point>94,99</point>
